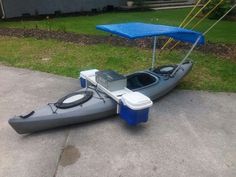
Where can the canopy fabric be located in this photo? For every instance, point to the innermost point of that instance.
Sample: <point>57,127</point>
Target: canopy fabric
<point>140,30</point>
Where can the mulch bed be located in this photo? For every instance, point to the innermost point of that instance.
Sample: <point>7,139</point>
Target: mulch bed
<point>227,51</point>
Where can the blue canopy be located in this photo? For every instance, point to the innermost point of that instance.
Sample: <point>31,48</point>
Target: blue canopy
<point>140,30</point>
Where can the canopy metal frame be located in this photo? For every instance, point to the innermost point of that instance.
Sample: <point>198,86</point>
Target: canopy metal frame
<point>186,57</point>
<point>180,64</point>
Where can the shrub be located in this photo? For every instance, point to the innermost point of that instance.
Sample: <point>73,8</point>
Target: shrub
<point>220,10</point>
<point>138,2</point>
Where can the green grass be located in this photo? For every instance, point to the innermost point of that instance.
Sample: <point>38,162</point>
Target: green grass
<point>224,32</point>
<point>209,72</point>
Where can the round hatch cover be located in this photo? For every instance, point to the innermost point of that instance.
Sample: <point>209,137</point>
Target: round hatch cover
<point>167,69</point>
<point>74,99</point>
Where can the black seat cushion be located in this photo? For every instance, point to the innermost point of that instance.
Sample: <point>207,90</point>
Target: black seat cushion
<point>139,80</point>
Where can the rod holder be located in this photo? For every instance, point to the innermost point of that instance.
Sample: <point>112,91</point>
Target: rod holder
<point>154,52</point>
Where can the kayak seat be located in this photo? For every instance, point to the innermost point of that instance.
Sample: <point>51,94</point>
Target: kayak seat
<point>139,80</point>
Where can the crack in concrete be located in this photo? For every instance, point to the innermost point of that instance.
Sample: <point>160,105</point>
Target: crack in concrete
<point>60,155</point>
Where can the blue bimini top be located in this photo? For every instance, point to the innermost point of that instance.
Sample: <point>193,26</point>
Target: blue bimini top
<point>136,30</point>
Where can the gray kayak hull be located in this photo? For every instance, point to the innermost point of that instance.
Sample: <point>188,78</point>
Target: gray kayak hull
<point>98,107</point>
<point>44,118</point>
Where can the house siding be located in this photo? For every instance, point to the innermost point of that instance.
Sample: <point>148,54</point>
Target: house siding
<point>16,8</point>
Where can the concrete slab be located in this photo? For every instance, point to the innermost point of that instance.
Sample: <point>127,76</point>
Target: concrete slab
<point>21,91</point>
<point>190,133</point>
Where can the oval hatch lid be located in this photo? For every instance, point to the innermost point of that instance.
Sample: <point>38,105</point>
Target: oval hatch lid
<point>74,98</point>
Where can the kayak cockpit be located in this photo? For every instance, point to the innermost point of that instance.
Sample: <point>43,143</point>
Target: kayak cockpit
<point>140,80</point>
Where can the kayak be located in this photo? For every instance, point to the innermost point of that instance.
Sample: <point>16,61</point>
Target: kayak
<point>88,104</point>
<point>107,93</point>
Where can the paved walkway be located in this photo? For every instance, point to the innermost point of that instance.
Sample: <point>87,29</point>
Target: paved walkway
<point>190,133</point>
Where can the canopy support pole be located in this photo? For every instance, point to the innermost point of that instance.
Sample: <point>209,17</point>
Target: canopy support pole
<point>185,58</point>
<point>154,52</point>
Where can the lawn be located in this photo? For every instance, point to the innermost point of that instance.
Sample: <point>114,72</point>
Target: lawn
<point>209,73</point>
<point>224,32</point>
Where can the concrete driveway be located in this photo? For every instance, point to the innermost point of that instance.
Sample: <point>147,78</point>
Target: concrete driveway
<point>190,133</point>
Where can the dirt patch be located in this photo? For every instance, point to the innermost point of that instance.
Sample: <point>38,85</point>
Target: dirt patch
<point>69,156</point>
<point>227,51</point>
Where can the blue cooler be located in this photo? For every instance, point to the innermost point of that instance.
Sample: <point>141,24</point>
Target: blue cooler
<point>134,108</point>
<point>84,74</point>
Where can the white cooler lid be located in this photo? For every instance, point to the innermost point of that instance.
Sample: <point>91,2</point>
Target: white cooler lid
<point>88,73</point>
<point>136,101</point>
